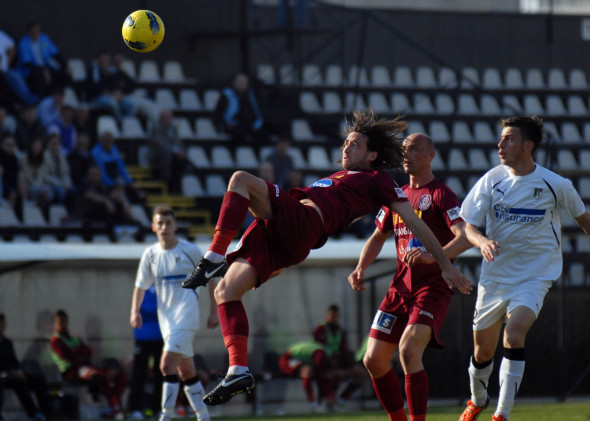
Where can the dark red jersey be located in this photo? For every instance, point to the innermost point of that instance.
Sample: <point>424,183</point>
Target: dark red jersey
<point>438,206</point>
<point>348,195</point>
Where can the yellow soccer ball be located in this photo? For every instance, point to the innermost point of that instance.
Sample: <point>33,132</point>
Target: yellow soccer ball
<point>143,31</point>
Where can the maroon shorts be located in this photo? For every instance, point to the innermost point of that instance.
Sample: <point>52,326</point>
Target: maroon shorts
<point>283,240</point>
<point>426,306</point>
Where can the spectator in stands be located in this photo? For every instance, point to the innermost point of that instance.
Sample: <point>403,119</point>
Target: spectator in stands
<point>40,61</point>
<point>343,366</point>
<point>167,152</point>
<point>13,376</point>
<point>282,161</point>
<point>72,358</point>
<point>238,114</point>
<point>66,129</point>
<point>80,160</point>
<point>58,172</point>
<point>50,107</point>
<point>148,350</point>
<point>83,122</point>
<point>36,173</point>
<point>13,86</point>
<point>114,172</point>
<point>310,361</point>
<point>3,126</point>
<point>13,180</point>
<point>28,127</point>
<point>104,91</point>
<point>98,202</point>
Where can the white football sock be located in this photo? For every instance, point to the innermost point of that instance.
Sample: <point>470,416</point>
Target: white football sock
<point>169,395</point>
<point>237,369</point>
<point>213,257</point>
<point>478,381</point>
<point>511,372</point>
<point>194,393</point>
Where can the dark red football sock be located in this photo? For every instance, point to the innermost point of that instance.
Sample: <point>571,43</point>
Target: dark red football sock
<point>308,387</point>
<point>416,385</point>
<point>389,393</point>
<point>235,330</point>
<point>231,216</point>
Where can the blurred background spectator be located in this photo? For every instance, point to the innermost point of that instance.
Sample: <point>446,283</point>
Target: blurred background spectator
<point>282,162</point>
<point>28,127</point>
<point>58,172</point>
<point>64,127</point>
<point>36,173</point>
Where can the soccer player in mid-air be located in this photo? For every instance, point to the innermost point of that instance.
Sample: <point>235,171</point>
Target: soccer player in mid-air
<point>289,224</point>
<point>166,264</point>
<point>520,203</point>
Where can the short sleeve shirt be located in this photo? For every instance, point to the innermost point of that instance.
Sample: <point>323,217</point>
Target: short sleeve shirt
<point>437,205</point>
<point>166,269</point>
<point>523,214</point>
<point>347,195</point>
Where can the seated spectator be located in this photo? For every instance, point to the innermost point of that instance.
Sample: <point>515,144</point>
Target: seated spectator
<point>28,127</point>
<point>80,160</point>
<point>282,161</point>
<point>13,180</point>
<point>36,173</point>
<point>343,366</point>
<point>13,87</point>
<point>167,153</point>
<point>72,358</point>
<point>66,129</point>
<point>13,376</point>
<point>237,113</point>
<point>100,203</point>
<point>40,61</point>
<point>50,107</point>
<point>82,121</point>
<point>58,172</point>
<point>310,361</point>
<point>104,91</point>
<point>114,172</point>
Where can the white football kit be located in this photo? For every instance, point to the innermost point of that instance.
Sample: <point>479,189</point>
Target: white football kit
<point>521,213</point>
<point>178,308</point>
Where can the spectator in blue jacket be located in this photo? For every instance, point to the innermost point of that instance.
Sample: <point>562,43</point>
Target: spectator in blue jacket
<point>148,347</point>
<point>40,62</point>
<point>237,113</point>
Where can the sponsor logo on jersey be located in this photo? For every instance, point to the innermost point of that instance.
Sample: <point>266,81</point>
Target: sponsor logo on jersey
<point>454,213</point>
<point>400,192</point>
<point>383,322</point>
<point>276,190</point>
<point>425,202</point>
<point>416,244</point>
<point>519,215</point>
<point>381,216</point>
<point>427,314</point>
<point>538,193</point>
<point>326,182</point>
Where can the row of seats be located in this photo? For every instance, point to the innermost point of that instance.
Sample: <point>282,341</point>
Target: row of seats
<point>424,77</point>
<point>330,102</point>
<point>147,71</point>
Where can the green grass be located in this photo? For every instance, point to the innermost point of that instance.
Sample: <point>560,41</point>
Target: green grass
<point>575,411</point>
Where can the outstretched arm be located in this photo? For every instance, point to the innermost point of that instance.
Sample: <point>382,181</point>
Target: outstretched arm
<point>370,251</point>
<point>489,248</point>
<point>450,273</point>
<point>452,249</point>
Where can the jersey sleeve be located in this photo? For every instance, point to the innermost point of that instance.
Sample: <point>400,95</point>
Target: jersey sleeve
<point>449,206</point>
<point>572,201</point>
<point>476,204</point>
<point>384,220</point>
<point>388,189</point>
<point>145,278</point>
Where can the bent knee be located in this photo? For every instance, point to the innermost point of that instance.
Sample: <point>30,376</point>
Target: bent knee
<point>376,366</point>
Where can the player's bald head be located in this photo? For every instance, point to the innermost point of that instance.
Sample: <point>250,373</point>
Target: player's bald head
<point>421,138</point>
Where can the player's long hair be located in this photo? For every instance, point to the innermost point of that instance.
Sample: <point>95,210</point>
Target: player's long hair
<point>384,137</point>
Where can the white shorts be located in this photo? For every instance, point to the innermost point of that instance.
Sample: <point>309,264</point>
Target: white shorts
<point>180,341</point>
<point>496,300</point>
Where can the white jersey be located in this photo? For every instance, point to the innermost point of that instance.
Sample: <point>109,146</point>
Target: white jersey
<point>522,213</point>
<point>178,307</point>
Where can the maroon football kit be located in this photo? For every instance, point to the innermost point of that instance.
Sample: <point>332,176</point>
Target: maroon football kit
<point>417,294</point>
<point>287,238</point>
